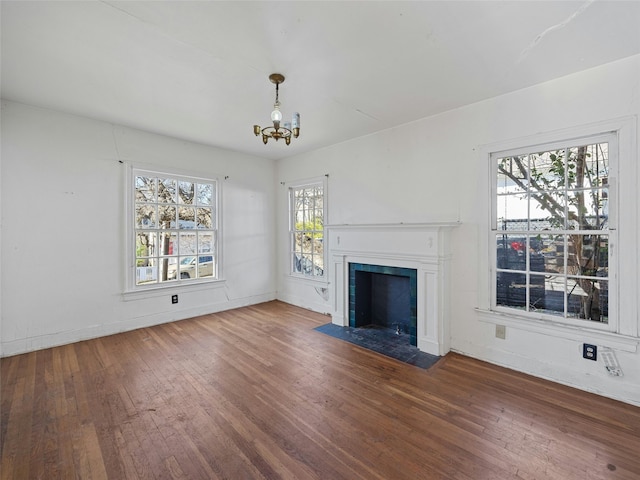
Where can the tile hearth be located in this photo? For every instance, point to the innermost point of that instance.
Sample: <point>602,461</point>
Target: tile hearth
<point>382,340</point>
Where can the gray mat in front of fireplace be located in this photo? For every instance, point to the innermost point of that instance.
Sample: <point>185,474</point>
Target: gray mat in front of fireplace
<point>381,340</point>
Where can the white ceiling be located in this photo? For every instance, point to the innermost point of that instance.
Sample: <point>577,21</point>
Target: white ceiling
<point>199,70</point>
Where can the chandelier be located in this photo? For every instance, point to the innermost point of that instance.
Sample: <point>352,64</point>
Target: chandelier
<point>279,130</point>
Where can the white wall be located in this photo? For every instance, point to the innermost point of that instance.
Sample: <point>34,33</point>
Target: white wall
<point>63,219</point>
<point>429,171</point>
<point>62,202</point>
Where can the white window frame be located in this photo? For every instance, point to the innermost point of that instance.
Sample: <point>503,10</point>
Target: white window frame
<point>132,289</point>
<point>622,331</point>
<point>611,232</point>
<point>291,187</point>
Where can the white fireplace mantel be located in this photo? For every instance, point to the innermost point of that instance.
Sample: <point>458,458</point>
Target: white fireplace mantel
<point>423,247</point>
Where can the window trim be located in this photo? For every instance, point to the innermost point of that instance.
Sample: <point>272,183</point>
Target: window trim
<point>290,186</point>
<point>132,290</point>
<point>626,329</point>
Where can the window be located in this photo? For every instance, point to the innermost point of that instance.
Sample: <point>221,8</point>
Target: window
<point>307,229</point>
<point>175,228</point>
<point>552,228</point>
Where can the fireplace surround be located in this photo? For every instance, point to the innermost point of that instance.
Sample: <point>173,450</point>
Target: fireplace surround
<point>396,248</point>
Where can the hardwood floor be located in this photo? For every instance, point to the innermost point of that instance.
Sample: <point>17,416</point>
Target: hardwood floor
<point>256,393</point>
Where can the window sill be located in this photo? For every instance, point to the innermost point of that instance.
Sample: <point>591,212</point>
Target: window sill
<point>161,290</point>
<point>612,340</point>
<point>323,283</point>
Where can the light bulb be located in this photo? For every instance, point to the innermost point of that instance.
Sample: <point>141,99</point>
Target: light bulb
<point>276,115</point>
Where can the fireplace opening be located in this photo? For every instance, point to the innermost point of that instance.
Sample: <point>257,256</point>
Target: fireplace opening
<point>384,297</point>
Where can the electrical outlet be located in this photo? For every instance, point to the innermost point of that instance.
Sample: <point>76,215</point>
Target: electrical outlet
<point>590,352</point>
<point>501,331</point>
<point>174,298</point>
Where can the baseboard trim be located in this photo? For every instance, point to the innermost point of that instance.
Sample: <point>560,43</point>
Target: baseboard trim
<point>318,307</point>
<point>548,372</point>
<point>25,345</point>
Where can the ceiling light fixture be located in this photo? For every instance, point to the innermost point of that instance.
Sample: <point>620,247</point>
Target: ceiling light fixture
<point>277,131</point>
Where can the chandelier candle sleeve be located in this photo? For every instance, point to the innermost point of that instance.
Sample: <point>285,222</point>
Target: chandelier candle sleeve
<point>295,123</point>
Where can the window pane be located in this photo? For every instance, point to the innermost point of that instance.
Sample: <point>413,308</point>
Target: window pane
<point>511,252</point>
<point>512,212</point>
<point>601,255</point>
<point>512,174</point>
<point>186,217</point>
<point>317,218</point>
<point>597,163</point>
<point>602,287</point>
<point>297,241</point>
<point>547,210</point>
<point>546,294</point>
<point>297,265</point>
<point>205,217</point>
<point>546,253</point>
<point>511,291</point>
<point>186,192</point>
<point>588,255</point>
<point>147,274</point>
<point>306,264</point>
<point>587,299</point>
<point>205,242</point>
<point>146,246</point>
<point>305,214</point>
<point>184,268</point>
<point>588,209</point>
<point>166,190</point>
<point>318,255</point>
<point>205,266</point>
<point>187,243</point>
<point>537,293</point>
<point>167,216</point>
<point>588,165</point>
<point>172,268</point>
<point>547,171</point>
<point>317,197</point>
<point>167,267</point>
<point>188,267</point>
<point>145,189</point>
<point>146,216</point>
<point>168,240</point>
<point>205,194</point>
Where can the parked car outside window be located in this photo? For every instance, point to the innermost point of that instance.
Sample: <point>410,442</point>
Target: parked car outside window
<point>189,268</point>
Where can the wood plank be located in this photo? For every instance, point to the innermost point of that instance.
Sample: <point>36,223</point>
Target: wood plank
<point>256,393</point>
